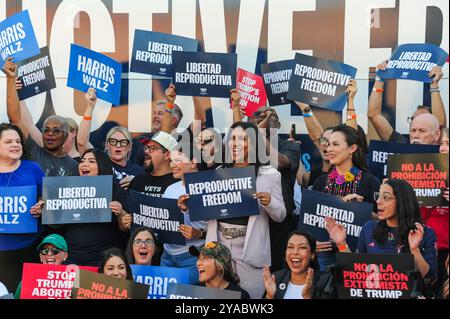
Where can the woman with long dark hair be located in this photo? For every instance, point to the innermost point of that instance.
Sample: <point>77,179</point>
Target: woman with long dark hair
<point>398,230</point>
<point>301,278</point>
<point>248,238</point>
<point>114,263</point>
<point>348,177</point>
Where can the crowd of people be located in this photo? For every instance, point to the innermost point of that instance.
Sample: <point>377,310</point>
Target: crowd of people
<point>263,255</point>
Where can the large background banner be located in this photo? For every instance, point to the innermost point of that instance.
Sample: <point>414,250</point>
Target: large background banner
<point>152,52</point>
<point>222,193</point>
<point>90,285</point>
<point>36,75</point>
<point>375,276</point>
<point>90,69</point>
<point>319,82</point>
<point>158,278</point>
<point>379,151</point>
<point>41,281</point>
<point>204,74</point>
<point>426,173</point>
<point>316,206</point>
<point>161,215</point>
<point>177,291</point>
<point>17,38</point>
<point>15,204</point>
<point>414,62</point>
<point>77,199</point>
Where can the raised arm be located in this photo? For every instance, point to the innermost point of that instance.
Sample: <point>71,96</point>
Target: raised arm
<point>351,112</point>
<point>235,99</point>
<point>314,128</point>
<point>437,105</point>
<point>201,104</point>
<point>379,122</point>
<point>171,95</point>
<point>84,129</point>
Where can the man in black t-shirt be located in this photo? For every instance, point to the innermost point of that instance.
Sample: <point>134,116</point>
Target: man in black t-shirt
<point>157,165</point>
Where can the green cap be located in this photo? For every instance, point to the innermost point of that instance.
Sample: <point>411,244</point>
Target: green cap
<point>56,240</point>
<point>214,250</point>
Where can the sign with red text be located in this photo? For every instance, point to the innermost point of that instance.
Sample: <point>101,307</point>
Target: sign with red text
<point>252,91</point>
<point>375,276</point>
<point>426,173</point>
<point>99,286</point>
<point>41,281</point>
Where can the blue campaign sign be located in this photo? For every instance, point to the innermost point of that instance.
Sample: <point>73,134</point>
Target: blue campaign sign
<point>316,206</point>
<point>77,199</point>
<point>158,278</point>
<point>162,215</point>
<point>379,151</point>
<point>320,83</point>
<point>152,52</point>
<point>204,74</point>
<point>221,193</point>
<point>88,69</point>
<point>15,204</point>
<point>413,62</point>
<point>17,38</point>
<point>36,75</point>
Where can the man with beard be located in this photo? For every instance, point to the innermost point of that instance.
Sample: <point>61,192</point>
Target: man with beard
<point>158,174</point>
<point>44,147</point>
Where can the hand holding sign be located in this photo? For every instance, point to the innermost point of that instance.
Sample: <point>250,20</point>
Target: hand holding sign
<point>436,74</point>
<point>170,94</point>
<point>382,66</point>
<point>352,88</point>
<point>351,197</point>
<point>182,203</point>
<point>91,97</point>
<point>36,210</point>
<point>126,221</point>
<point>116,208</point>
<point>190,232</point>
<point>10,68</point>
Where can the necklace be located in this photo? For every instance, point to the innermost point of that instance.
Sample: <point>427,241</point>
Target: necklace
<point>12,172</point>
<point>345,184</point>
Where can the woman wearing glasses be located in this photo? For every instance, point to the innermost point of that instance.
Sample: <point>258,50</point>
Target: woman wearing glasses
<point>209,144</point>
<point>399,228</point>
<point>52,251</point>
<point>142,248</point>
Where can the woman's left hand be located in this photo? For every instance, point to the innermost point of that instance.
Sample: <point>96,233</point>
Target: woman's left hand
<point>264,198</point>
<point>126,221</point>
<point>190,232</point>
<point>351,197</point>
<point>125,182</point>
<point>308,288</point>
<point>415,237</point>
<point>36,209</point>
<point>116,208</point>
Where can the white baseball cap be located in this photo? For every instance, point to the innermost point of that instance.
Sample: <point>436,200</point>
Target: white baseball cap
<point>165,140</point>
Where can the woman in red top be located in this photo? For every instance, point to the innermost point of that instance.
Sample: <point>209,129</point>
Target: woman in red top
<point>438,219</point>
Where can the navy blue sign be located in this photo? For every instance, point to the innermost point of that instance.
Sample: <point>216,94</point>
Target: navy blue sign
<point>15,204</point>
<point>158,278</point>
<point>414,62</point>
<point>379,151</point>
<point>77,199</point>
<point>152,52</point>
<point>36,75</point>
<point>320,83</point>
<point>176,291</point>
<point>161,215</point>
<point>316,206</point>
<point>221,193</point>
<point>17,38</point>
<point>204,74</point>
<point>88,69</point>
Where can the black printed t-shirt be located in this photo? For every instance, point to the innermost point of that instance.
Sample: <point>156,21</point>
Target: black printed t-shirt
<point>152,185</point>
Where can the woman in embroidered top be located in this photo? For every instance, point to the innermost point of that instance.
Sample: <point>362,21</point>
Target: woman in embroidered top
<point>347,177</point>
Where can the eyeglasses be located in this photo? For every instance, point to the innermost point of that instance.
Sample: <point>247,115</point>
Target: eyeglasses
<point>323,141</point>
<point>122,143</point>
<point>383,198</point>
<point>139,242</point>
<point>152,148</point>
<point>54,131</point>
<point>54,251</point>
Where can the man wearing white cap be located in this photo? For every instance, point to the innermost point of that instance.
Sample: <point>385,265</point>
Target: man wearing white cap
<point>157,164</point>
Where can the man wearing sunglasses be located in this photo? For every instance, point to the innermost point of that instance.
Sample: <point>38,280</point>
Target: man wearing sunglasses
<point>45,146</point>
<point>158,174</point>
<point>52,251</point>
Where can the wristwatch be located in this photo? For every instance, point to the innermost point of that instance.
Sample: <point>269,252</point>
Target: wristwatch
<point>306,110</point>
